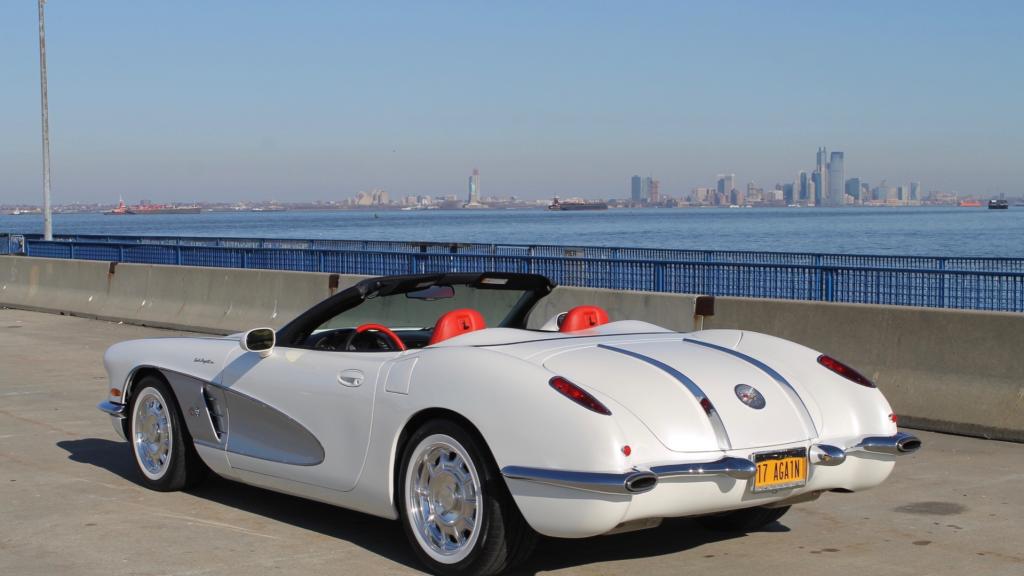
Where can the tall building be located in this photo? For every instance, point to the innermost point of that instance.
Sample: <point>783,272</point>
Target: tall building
<point>474,187</point>
<point>853,190</point>
<point>726,185</point>
<point>915,191</point>
<point>803,187</point>
<point>821,187</point>
<point>653,192</point>
<point>636,189</point>
<point>836,180</point>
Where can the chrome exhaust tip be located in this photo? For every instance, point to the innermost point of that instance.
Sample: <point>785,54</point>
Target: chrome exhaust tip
<point>908,444</point>
<point>900,444</point>
<point>640,482</point>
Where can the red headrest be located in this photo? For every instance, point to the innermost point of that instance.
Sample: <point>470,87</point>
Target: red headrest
<point>456,322</point>
<point>583,317</point>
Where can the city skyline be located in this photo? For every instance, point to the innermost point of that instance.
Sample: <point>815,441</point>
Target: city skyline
<point>255,101</point>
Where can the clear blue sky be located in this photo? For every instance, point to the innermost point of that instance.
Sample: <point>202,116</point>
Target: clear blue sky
<point>232,99</point>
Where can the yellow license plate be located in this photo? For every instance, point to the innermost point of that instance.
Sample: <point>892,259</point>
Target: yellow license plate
<point>781,469</point>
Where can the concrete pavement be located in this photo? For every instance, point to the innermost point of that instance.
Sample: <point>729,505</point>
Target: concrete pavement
<point>70,501</point>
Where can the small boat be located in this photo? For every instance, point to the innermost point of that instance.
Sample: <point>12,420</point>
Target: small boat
<point>999,204</point>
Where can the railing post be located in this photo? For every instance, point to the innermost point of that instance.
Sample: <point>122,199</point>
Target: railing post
<point>659,277</point>
<point>177,254</point>
<point>120,253</point>
<point>413,263</point>
<point>72,250</point>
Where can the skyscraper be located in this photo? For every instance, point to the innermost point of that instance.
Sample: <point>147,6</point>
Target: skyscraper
<point>803,187</point>
<point>821,177</point>
<point>853,189</point>
<point>915,191</point>
<point>726,185</point>
<point>836,180</point>
<point>474,187</point>
<point>636,189</point>
<point>653,194</point>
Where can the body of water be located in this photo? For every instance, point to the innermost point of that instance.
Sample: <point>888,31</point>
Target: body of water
<point>896,231</point>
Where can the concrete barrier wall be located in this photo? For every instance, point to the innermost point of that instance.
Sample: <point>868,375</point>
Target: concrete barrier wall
<point>215,300</point>
<point>947,370</point>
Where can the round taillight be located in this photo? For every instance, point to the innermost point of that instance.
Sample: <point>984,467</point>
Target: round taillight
<point>578,395</point>
<point>844,371</point>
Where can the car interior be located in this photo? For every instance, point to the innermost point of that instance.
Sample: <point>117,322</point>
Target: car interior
<point>418,311</point>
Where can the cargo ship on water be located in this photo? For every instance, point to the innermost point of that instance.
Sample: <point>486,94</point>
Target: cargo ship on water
<point>998,204</point>
<point>576,205</point>
<point>123,209</point>
<point>969,204</point>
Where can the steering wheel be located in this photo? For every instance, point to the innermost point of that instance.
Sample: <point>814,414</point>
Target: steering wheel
<point>398,344</point>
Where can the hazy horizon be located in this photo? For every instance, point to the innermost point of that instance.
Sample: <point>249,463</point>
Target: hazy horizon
<point>257,100</point>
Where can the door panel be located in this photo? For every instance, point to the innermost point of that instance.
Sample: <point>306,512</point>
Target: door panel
<point>286,404</point>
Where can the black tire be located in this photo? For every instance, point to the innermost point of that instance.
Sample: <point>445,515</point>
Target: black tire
<point>502,537</point>
<point>746,520</point>
<point>183,468</point>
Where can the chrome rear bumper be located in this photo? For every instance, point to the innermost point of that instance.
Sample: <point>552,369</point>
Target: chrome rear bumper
<point>640,481</point>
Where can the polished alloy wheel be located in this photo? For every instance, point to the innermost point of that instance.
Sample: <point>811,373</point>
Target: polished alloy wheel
<point>442,489</point>
<point>152,433</point>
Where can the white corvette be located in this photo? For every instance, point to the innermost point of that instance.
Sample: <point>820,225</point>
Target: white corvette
<point>395,398</point>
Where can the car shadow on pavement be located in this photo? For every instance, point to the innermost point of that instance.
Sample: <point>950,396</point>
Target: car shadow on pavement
<point>385,537</point>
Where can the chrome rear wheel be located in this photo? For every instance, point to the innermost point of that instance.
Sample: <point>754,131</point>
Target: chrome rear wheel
<point>443,491</point>
<point>454,505</point>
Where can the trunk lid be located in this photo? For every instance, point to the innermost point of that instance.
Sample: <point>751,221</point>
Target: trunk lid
<point>662,383</point>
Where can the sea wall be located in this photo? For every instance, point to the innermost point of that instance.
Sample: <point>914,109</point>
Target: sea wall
<point>948,370</point>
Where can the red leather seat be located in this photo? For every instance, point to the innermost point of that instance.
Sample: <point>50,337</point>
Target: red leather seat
<point>583,317</point>
<point>456,322</point>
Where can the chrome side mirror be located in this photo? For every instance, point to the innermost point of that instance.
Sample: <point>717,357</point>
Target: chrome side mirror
<point>259,340</point>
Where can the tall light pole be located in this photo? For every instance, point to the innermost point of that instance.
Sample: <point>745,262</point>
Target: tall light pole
<point>47,217</point>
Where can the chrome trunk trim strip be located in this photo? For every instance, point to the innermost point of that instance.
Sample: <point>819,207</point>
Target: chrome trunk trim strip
<point>702,399</point>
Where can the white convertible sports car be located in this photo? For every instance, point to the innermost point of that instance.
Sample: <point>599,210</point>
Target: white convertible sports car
<point>395,398</point>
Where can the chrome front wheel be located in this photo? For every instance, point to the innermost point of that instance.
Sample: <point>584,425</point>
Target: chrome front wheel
<point>152,433</point>
<point>159,439</point>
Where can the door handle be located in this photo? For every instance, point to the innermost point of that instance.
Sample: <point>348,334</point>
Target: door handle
<point>351,378</point>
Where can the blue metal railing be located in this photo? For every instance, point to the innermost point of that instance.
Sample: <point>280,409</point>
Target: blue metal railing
<point>613,253</point>
<point>968,283</point>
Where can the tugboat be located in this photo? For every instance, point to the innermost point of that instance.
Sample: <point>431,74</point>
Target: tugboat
<point>999,204</point>
<point>121,209</point>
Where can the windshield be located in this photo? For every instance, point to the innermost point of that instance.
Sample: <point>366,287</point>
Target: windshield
<point>421,311</point>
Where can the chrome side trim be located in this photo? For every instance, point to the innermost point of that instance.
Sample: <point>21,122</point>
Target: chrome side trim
<point>702,399</point>
<point>827,455</point>
<point>114,409</point>
<point>786,386</point>
<point>605,483</point>
<point>739,468</point>
<point>898,444</point>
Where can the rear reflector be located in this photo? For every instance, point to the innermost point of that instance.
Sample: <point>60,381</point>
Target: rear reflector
<point>578,395</point>
<point>844,371</point>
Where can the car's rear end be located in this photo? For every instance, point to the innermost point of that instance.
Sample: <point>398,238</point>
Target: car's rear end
<point>710,422</point>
